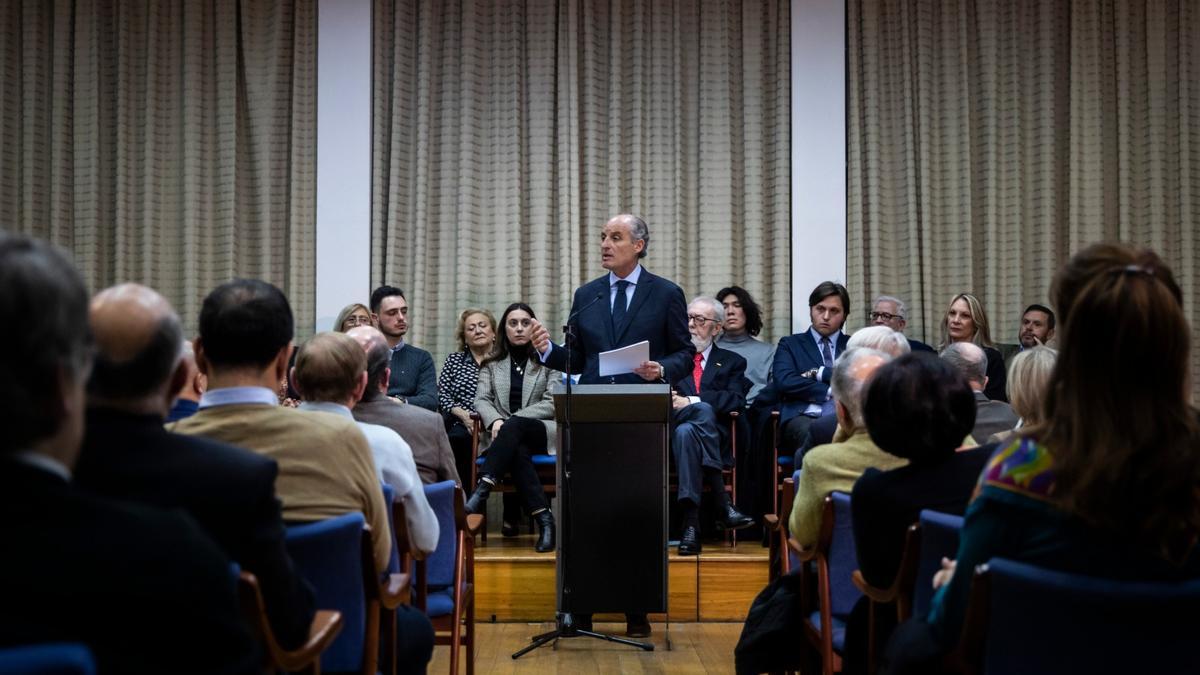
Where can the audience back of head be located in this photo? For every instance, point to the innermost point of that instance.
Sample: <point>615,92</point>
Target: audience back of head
<point>853,368</point>
<point>245,323</point>
<point>919,407</point>
<point>969,360</point>
<point>1028,379</point>
<point>881,338</point>
<point>330,367</point>
<point>139,344</point>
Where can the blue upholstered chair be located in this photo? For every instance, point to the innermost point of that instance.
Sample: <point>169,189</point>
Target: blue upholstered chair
<point>445,580</point>
<point>335,555</point>
<point>1034,621</point>
<point>51,658</point>
<point>939,539</point>
<point>834,561</point>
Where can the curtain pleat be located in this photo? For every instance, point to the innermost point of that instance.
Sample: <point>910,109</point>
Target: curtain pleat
<point>167,143</point>
<point>507,133</point>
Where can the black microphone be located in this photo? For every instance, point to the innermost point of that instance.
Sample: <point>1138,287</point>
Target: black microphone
<point>589,304</point>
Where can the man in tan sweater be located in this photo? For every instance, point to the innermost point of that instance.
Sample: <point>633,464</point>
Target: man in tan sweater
<point>835,466</point>
<point>325,465</point>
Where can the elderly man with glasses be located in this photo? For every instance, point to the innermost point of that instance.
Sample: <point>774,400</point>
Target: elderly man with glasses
<point>702,400</point>
<point>891,312</point>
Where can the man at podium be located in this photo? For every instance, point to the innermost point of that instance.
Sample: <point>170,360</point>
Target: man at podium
<point>624,307</point>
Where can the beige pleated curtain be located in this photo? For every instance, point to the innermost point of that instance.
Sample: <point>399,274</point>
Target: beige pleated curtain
<point>168,143</point>
<point>990,140</point>
<point>506,133</point>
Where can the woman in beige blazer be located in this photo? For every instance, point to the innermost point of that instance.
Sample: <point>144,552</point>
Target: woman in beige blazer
<point>513,398</point>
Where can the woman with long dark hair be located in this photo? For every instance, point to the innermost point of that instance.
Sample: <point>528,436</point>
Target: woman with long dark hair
<point>1108,484</point>
<point>513,398</point>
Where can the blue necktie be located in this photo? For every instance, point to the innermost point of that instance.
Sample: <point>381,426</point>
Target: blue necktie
<point>826,354</point>
<point>618,308</point>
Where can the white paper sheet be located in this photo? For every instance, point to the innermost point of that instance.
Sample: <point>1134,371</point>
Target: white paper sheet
<point>625,359</point>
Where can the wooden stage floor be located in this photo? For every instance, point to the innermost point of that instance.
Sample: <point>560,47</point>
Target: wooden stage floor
<point>696,648</point>
<point>515,584</point>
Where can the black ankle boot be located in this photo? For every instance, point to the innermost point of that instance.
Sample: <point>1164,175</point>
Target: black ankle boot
<point>479,497</point>
<point>545,523</point>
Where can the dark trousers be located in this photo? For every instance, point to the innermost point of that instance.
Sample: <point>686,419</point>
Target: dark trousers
<point>792,434</point>
<point>414,640</point>
<point>460,443</point>
<point>695,444</point>
<point>511,452</point>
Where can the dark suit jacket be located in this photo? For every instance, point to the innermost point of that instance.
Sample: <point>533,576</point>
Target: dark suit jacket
<point>796,354</point>
<point>657,312</point>
<point>143,588</point>
<point>723,385</point>
<point>229,491</point>
<point>991,417</point>
<point>414,378</point>
<point>885,503</point>
<point>918,346</point>
<point>997,374</point>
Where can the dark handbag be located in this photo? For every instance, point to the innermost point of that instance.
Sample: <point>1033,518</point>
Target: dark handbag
<point>771,637</point>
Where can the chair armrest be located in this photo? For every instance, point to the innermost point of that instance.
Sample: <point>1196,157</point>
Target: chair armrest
<point>325,626</point>
<point>771,522</point>
<point>804,554</point>
<point>474,523</point>
<point>395,590</point>
<point>880,595</point>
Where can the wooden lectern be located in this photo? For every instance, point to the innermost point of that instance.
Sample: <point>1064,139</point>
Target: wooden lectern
<point>612,507</point>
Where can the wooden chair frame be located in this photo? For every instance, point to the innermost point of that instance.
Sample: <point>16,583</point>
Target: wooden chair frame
<point>900,592</point>
<point>778,561</point>
<point>306,658</point>
<point>395,589</point>
<point>818,558</point>
<point>456,629</point>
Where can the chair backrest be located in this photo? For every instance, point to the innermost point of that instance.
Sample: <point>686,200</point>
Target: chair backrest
<point>389,498</point>
<point>439,565</point>
<point>843,558</point>
<point>329,553</point>
<point>51,658</point>
<point>939,539</point>
<point>1045,621</point>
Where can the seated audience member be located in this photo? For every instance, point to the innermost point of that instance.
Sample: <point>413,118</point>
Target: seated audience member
<point>917,408</point>
<point>1086,491</point>
<point>187,399</point>
<point>331,374</point>
<point>1037,328</point>
<point>476,335</point>
<point>835,466</point>
<point>891,312</point>
<point>882,338</point>
<point>990,416</point>
<point>127,454</point>
<point>513,398</point>
<point>1028,377</point>
<point>78,567</point>
<point>965,321</point>
<point>803,364</point>
<point>413,378</point>
<point>325,464</point>
<point>743,323</point>
<point>699,435</point>
<point>422,429</point>
<point>352,315</point>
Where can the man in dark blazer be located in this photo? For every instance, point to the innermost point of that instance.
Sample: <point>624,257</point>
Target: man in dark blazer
<point>624,307</point>
<point>413,378</point>
<point>702,401</point>
<point>650,308</point>
<point>804,364</point>
<point>144,589</point>
<point>127,454</point>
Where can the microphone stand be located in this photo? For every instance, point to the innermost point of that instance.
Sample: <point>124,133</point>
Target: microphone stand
<point>565,621</point>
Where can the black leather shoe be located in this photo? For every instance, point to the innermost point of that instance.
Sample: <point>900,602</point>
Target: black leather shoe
<point>689,541</point>
<point>732,519</point>
<point>637,626</point>
<point>479,497</point>
<point>545,523</point>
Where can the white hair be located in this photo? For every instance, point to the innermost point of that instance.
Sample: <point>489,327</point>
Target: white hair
<point>846,388</point>
<point>901,309</point>
<point>717,308</point>
<point>882,338</point>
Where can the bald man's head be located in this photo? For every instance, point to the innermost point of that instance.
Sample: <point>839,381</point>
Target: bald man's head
<point>379,356</point>
<point>138,345</point>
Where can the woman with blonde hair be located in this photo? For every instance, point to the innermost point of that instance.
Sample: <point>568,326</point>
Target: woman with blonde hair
<point>353,315</point>
<point>1028,377</point>
<point>476,335</point>
<point>965,321</point>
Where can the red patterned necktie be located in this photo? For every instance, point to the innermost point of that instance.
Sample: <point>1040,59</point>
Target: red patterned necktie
<point>697,371</point>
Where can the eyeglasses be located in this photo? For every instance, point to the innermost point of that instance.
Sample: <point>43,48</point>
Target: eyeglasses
<point>692,318</point>
<point>357,320</point>
<point>884,316</point>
